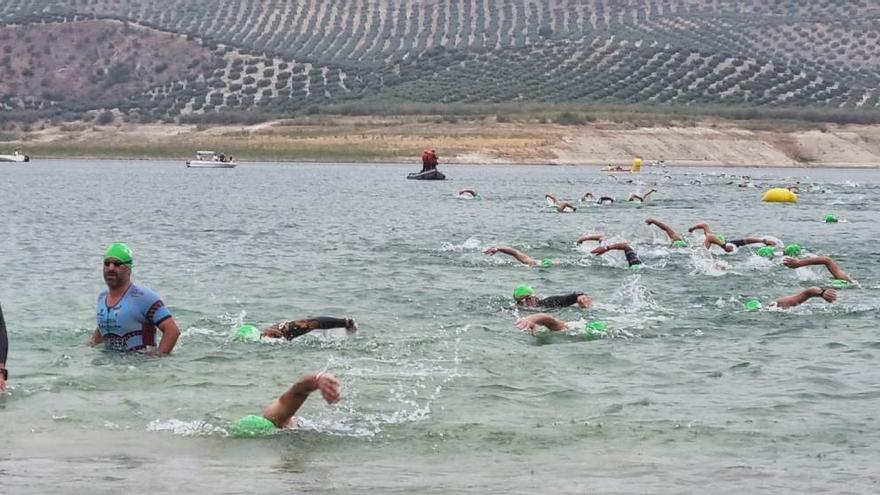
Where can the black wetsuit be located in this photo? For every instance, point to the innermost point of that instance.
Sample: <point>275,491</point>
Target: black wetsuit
<point>632,258</point>
<point>560,301</point>
<point>4,342</point>
<point>298,328</point>
<point>738,242</point>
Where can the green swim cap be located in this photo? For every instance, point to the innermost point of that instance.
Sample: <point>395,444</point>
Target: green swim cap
<point>792,250</point>
<point>753,304</point>
<point>120,251</point>
<point>247,333</point>
<point>679,244</point>
<point>766,252</point>
<point>830,219</point>
<point>522,291</point>
<point>252,426</point>
<point>546,262</point>
<point>477,196</point>
<point>722,238</point>
<point>596,326</point>
<point>637,266</point>
<point>840,283</point>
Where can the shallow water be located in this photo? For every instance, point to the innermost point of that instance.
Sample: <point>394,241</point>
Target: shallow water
<point>442,393</point>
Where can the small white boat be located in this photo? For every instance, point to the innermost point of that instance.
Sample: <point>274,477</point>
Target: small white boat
<point>209,159</point>
<point>16,156</point>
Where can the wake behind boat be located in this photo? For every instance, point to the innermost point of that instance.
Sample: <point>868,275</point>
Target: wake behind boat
<point>209,159</point>
<point>16,156</point>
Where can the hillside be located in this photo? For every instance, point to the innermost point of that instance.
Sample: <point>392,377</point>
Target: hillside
<point>188,59</point>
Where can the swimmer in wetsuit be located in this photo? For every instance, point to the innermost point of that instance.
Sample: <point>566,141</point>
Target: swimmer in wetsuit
<point>632,258</point>
<point>4,349</point>
<point>473,194</point>
<point>297,328</point>
<point>524,296</point>
<point>128,314</point>
<point>723,243</point>
<point>827,262</point>
<point>520,256</point>
<point>561,207</point>
<point>676,239</point>
<point>280,413</point>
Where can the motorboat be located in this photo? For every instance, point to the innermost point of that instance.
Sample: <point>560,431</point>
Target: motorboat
<point>209,159</point>
<point>432,174</point>
<point>16,156</point>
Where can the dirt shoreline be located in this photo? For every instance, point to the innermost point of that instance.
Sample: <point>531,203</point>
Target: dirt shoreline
<point>705,143</point>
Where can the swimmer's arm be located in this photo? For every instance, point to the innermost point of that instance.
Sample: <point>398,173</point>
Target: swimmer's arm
<point>550,197</point>
<point>672,234</point>
<point>467,191</point>
<point>562,206</point>
<point>590,237</point>
<point>519,255</point>
<point>759,240</point>
<point>561,301</point>
<point>284,407</point>
<point>531,322</point>
<point>702,226</point>
<point>170,334</point>
<point>829,295</point>
<point>4,348</point>
<point>587,195</point>
<point>293,329</point>
<point>619,246</point>
<point>829,263</point>
<point>636,196</point>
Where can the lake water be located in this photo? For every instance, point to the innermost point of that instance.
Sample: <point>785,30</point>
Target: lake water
<point>442,394</point>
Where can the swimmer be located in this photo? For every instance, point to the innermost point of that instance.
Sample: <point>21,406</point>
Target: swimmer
<point>719,240</point>
<point>296,328</point>
<point>590,237</point>
<point>561,207</point>
<point>643,197</point>
<point>473,194</point>
<point>829,263</point>
<point>531,322</point>
<point>828,294</point>
<point>631,257</point>
<point>524,296</point>
<point>519,255</point>
<point>4,349</point>
<point>128,314</point>
<point>586,196</point>
<point>674,237</point>
<point>279,414</point>
<point>605,200</point>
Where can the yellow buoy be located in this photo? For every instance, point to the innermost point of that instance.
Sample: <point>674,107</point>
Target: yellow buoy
<point>637,165</point>
<point>780,195</point>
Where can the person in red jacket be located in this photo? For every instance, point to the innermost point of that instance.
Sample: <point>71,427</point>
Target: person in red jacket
<point>429,160</point>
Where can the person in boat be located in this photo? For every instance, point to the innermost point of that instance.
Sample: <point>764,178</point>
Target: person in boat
<point>831,265</point>
<point>524,297</point>
<point>674,238</point>
<point>713,239</point>
<point>561,206</point>
<point>520,256</point>
<point>292,329</point>
<point>127,313</point>
<point>429,160</point>
<point>642,198</point>
<point>280,413</point>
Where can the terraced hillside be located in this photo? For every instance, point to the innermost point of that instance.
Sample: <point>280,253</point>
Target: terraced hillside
<point>289,55</point>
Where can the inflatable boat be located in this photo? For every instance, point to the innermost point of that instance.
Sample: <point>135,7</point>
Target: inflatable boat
<point>427,175</point>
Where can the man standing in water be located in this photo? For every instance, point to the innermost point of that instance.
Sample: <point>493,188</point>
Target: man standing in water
<point>4,348</point>
<point>128,314</point>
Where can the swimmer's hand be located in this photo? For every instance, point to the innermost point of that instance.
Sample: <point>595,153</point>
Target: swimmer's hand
<point>351,325</point>
<point>329,387</point>
<point>650,221</point>
<point>830,295</point>
<point>600,250</point>
<point>768,242</point>
<point>584,301</point>
<point>527,324</point>
<point>791,262</point>
<point>276,331</point>
<point>491,250</point>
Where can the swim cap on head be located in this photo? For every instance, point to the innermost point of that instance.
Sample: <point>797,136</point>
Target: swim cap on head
<point>830,219</point>
<point>637,266</point>
<point>792,250</point>
<point>722,238</point>
<point>120,251</point>
<point>598,326</point>
<point>766,252</point>
<point>522,291</point>
<point>840,283</point>
<point>247,333</point>
<point>546,262</point>
<point>679,244</point>
<point>252,426</point>
<point>753,304</point>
